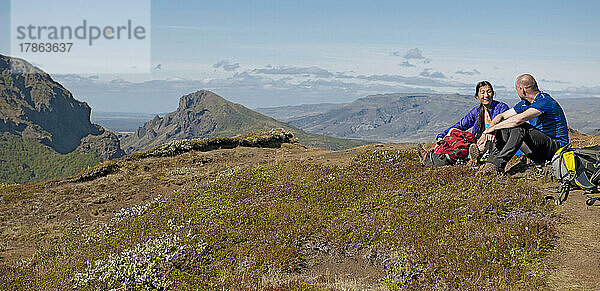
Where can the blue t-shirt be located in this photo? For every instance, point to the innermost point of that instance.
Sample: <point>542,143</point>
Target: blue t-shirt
<point>552,121</point>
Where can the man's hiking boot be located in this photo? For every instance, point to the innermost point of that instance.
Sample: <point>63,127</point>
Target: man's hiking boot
<point>519,167</point>
<point>474,155</point>
<point>489,169</point>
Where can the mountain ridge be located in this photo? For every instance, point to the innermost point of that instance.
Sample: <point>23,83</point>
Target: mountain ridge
<point>40,115</point>
<point>205,114</point>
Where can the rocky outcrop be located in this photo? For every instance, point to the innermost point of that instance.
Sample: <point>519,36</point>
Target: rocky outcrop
<point>33,105</point>
<point>106,145</point>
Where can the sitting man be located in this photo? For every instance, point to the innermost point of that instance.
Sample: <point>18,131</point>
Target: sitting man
<point>541,138</point>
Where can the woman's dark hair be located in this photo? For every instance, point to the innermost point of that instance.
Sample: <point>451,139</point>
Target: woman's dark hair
<point>481,114</point>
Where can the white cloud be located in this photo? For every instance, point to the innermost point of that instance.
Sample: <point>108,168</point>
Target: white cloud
<point>283,70</point>
<point>227,65</point>
<point>468,73</point>
<point>582,91</point>
<point>414,53</point>
<point>406,81</point>
<point>428,72</point>
<point>406,64</point>
<point>555,81</point>
<point>261,87</point>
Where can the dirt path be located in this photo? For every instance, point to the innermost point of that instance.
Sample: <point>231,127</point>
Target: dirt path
<point>576,260</point>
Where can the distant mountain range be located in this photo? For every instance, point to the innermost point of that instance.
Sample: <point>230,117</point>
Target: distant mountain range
<point>408,117</point>
<point>205,114</point>
<point>287,113</point>
<point>387,117</point>
<point>44,131</point>
<point>582,113</point>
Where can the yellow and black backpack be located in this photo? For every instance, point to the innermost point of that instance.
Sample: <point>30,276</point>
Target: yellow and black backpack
<point>577,168</point>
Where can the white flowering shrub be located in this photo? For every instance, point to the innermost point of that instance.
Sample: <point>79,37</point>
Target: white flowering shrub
<point>123,214</point>
<point>144,266</point>
<point>224,175</point>
<point>135,211</point>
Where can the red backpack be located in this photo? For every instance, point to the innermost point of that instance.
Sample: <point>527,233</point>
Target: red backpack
<point>454,147</point>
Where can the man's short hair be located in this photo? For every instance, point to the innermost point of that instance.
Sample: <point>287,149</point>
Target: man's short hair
<point>528,82</point>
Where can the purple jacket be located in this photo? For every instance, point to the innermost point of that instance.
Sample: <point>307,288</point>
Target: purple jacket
<point>470,120</point>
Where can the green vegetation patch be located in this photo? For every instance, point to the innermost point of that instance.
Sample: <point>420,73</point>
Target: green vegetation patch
<point>432,228</point>
<point>24,160</point>
<point>270,138</point>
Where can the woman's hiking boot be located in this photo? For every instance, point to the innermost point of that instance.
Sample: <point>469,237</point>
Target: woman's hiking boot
<point>474,155</point>
<point>422,153</point>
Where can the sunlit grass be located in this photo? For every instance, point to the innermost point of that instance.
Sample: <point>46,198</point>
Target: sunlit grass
<point>432,228</point>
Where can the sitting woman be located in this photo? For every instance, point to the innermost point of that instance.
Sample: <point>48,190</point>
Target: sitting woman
<point>479,118</point>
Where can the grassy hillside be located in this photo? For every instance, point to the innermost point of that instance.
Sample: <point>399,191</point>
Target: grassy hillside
<point>24,160</point>
<point>376,219</point>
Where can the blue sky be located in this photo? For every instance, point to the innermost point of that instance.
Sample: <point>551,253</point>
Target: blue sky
<point>270,53</point>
